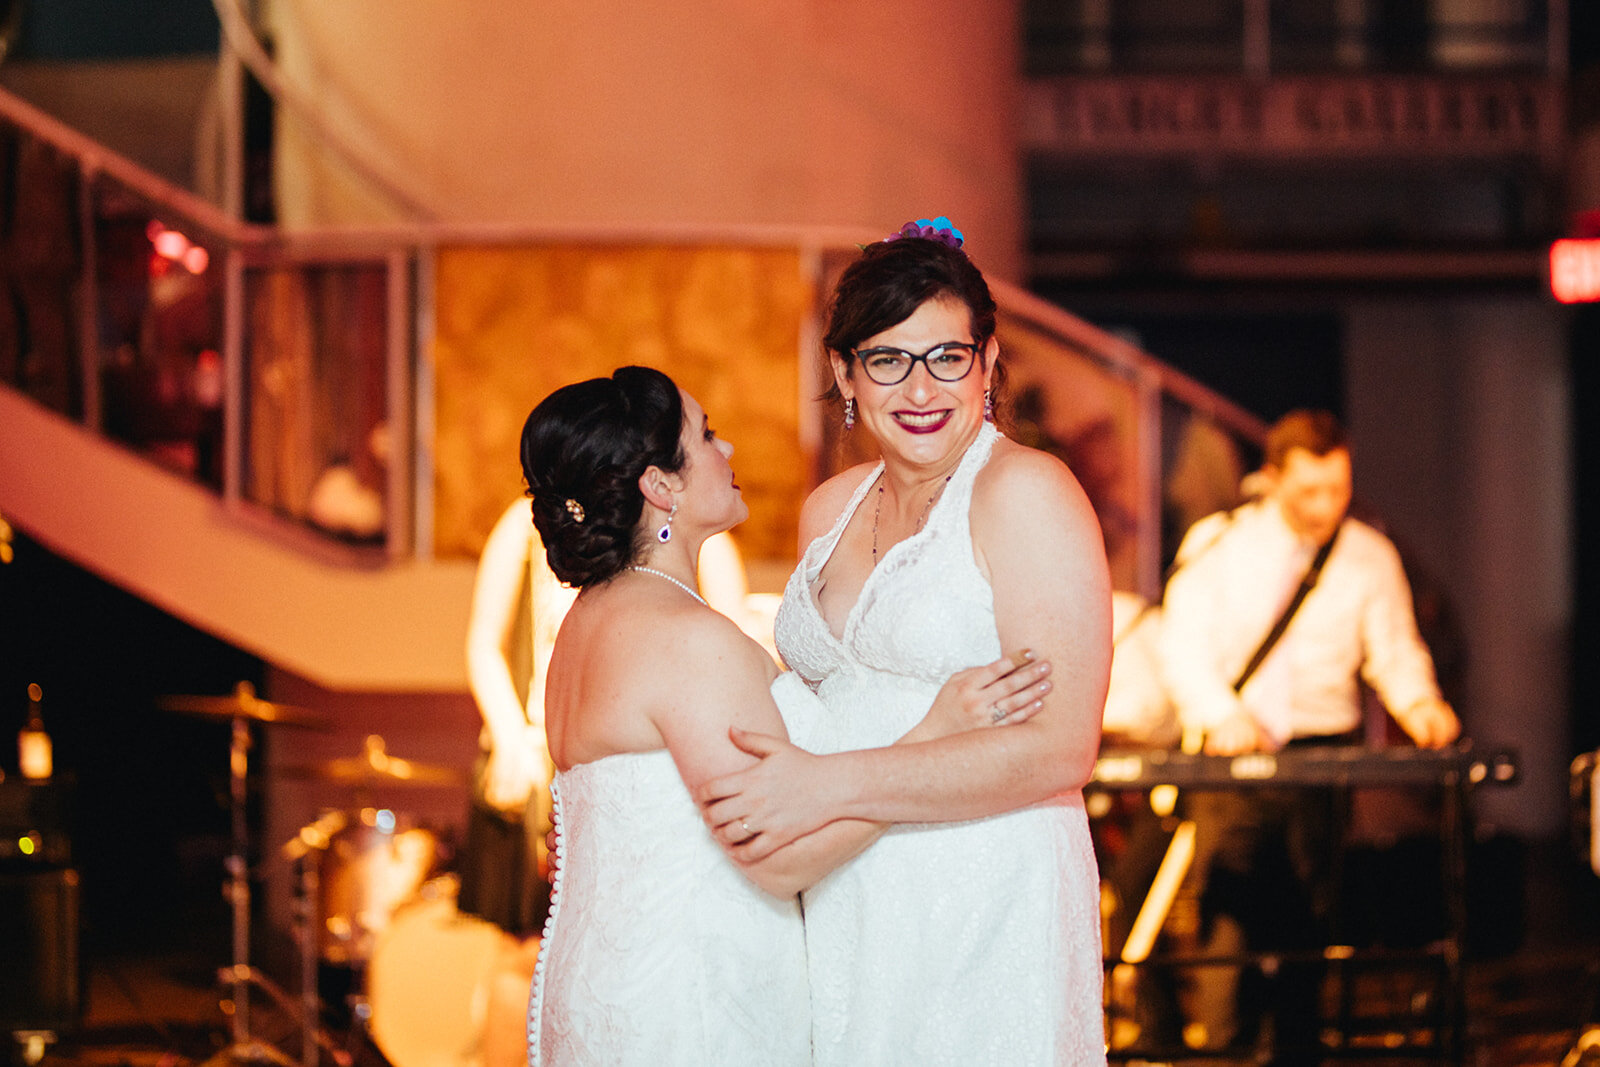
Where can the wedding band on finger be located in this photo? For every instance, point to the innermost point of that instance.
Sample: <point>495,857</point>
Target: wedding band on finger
<point>996,713</point>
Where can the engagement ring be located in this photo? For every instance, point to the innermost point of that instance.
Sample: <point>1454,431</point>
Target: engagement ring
<point>996,714</point>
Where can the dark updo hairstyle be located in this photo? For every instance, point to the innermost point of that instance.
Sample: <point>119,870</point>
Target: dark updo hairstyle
<point>588,443</point>
<point>890,281</point>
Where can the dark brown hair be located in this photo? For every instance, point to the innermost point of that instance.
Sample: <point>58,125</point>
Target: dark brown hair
<point>589,443</point>
<point>1318,432</point>
<point>890,280</point>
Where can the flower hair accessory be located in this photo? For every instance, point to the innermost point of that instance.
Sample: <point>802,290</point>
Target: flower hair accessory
<point>575,509</point>
<point>940,229</point>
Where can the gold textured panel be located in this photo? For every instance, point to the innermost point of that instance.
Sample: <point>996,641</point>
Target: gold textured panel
<point>514,323</point>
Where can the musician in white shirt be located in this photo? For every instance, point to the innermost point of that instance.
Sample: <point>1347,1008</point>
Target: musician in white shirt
<point>1238,571</point>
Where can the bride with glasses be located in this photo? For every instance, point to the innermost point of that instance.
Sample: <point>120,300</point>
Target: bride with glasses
<point>971,942</point>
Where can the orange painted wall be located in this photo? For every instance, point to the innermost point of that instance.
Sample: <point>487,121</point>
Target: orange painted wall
<point>718,112</point>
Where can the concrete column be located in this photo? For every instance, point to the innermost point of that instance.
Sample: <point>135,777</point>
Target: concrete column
<point>1459,416</point>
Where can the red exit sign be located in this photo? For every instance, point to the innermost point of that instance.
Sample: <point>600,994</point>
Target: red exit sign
<point>1575,270</point>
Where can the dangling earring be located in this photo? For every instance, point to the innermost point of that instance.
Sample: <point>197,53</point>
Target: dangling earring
<point>988,406</point>
<point>849,412</point>
<point>665,533</point>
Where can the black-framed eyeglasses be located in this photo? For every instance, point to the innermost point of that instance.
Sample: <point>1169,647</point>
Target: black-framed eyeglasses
<point>949,362</point>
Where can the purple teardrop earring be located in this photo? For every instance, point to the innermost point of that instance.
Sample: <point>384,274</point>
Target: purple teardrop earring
<point>850,413</point>
<point>988,406</point>
<point>665,533</point>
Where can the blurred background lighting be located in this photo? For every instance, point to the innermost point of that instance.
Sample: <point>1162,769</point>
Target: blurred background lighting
<point>171,244</point>
<point>1575,270</point>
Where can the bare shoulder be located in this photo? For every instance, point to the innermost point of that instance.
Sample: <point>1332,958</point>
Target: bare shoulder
<point>821,509</point>
<point>1022,489</point>
<point>677,651</point>
<point>716,642</point>
<point>690,627</point>
<point>709,675</point>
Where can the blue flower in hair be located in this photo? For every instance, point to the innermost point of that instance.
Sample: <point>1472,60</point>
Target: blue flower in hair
<point>940,229</point>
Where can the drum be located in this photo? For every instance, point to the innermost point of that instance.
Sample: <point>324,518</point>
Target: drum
<point>429,984</point>
<point>371,866</point>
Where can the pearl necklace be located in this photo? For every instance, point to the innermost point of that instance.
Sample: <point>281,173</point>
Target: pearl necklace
<point>877,510</point>
<point>670,578</point>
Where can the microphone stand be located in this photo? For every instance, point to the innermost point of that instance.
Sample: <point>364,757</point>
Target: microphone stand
<point>240,975</point>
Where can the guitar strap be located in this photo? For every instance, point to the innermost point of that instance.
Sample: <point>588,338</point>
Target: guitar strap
<point>1307,583</point>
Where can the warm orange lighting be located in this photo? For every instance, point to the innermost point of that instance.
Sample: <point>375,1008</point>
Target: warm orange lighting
<point>25,844</point>
<point>1575,270</point>
<point>171,244</point>
<point>197,259</point>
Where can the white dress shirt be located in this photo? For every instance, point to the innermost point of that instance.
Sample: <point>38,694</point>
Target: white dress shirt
<point>1138,710</point>
<point>1239,570</point>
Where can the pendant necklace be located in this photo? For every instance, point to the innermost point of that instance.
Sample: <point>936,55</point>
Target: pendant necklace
<point>877,511</point>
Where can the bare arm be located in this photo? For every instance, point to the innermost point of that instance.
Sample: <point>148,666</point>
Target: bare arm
<point>1040,544</point>
<point>515,761</point>
<point>733,695</point>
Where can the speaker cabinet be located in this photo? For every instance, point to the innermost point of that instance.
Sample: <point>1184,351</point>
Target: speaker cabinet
<point>41,982</point>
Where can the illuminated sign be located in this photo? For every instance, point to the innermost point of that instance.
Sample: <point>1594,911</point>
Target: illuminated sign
<point>1287,116</point>
<point>1575,270</point>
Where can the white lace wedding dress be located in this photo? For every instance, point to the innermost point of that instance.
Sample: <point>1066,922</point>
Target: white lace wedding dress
<point>972,943</point>
<point>657,950</point>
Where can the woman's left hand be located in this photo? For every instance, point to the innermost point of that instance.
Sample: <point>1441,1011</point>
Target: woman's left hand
<point>1008,691</point>
<point>744,809</point>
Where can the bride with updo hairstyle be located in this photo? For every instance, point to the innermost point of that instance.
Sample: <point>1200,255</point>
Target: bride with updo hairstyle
<point>660,947</point>
<point>592,441</point>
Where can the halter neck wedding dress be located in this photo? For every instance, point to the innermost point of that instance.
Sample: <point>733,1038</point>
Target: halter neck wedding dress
<point>966,943</point>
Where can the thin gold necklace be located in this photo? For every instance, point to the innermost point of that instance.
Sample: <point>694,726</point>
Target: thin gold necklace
<point>877,510</point>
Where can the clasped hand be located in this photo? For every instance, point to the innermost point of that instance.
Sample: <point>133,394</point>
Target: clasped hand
<point>789,792</point>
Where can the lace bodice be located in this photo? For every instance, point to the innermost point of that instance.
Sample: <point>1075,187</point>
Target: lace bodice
<point>924,613</point>
<point>657,951</point>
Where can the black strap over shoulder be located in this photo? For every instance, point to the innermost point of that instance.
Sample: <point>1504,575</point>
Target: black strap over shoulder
<point>1313,572</point>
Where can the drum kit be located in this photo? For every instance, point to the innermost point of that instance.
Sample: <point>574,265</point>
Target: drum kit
<point>372,901</point>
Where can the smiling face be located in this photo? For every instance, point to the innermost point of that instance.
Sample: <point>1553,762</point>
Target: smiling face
<point>710,497</point>
<point>921,422</point>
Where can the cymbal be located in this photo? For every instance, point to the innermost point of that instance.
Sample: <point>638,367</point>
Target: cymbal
<point>243,703</point>
<point>376,767</point>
